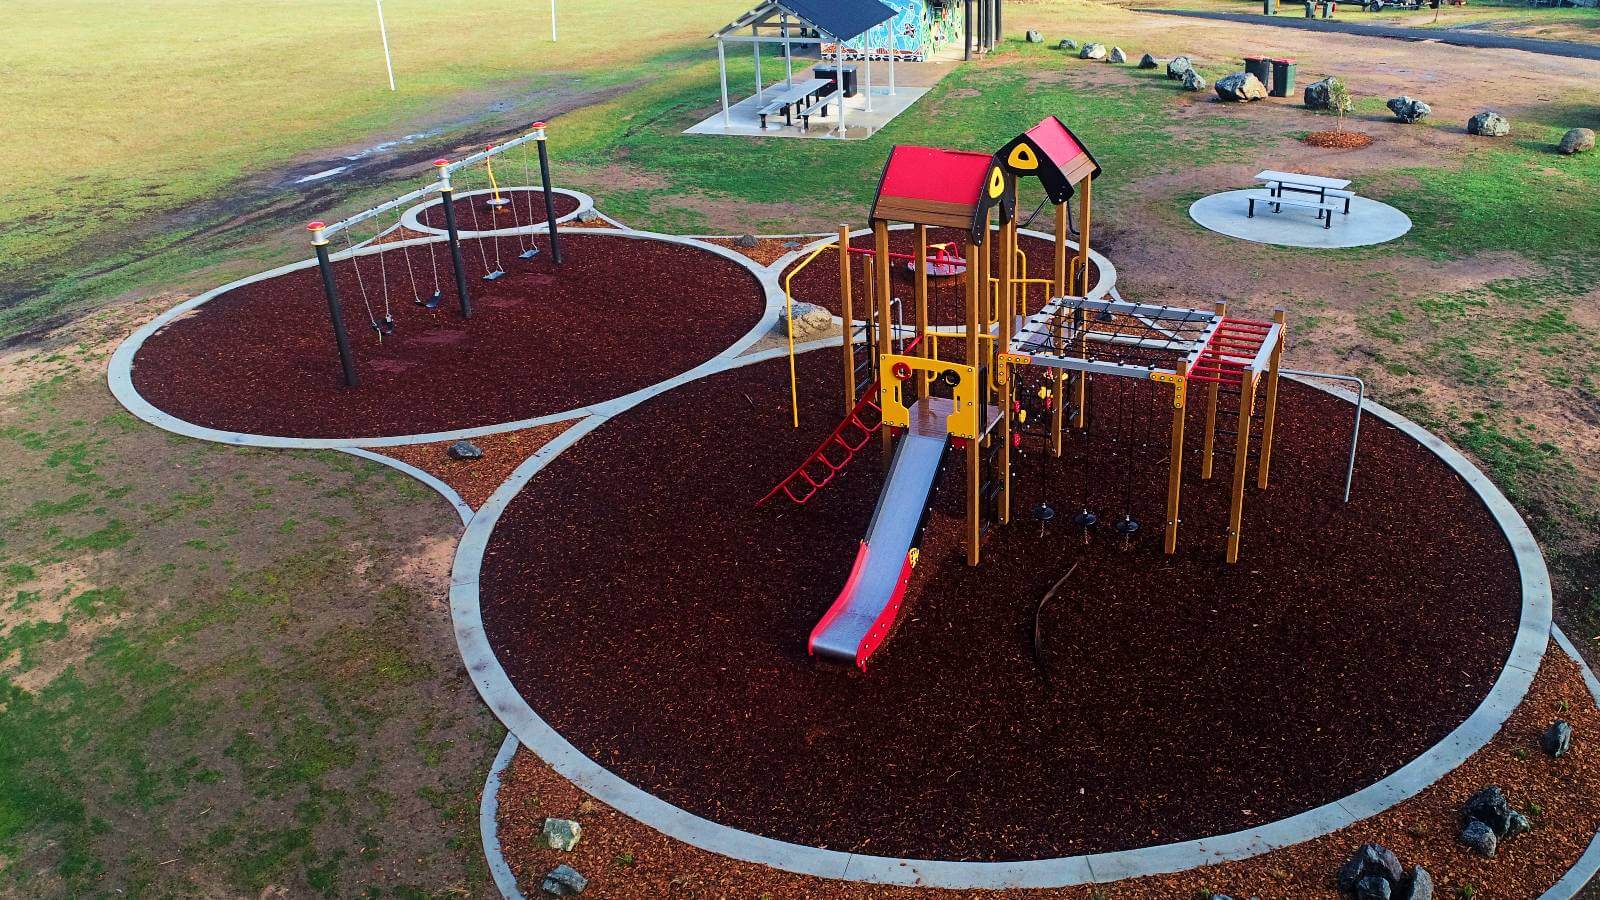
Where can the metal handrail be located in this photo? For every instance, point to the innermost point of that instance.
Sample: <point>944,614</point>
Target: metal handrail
<point>1355,427</point>
<point>788,320</point>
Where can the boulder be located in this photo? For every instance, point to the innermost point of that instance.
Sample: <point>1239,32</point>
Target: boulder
<point>1117,56</point>
<point>1177,66</point>
<point>1578,140</point>
<point>1241,87</point>
<point>464,450</point>
<point>810,322</point>
<point>1557,739</point>
<point>563,881</point>
<point>1192,81</point>
<point>1147,61</point>
<point>745,240</point>
<point>1067,44</point>
<point>1490,807</point>
<point>1374,887</point>
<point>561,834</point>
<point>1417,886</point>
<point>1325,93</point>
<point>1479,837</point>
<point>588,215</point>
<point>1409,109</point>
<point>1488,124</point>
<point>1034,37</point>
<point>1092,51</point>
<point>1367,861</point>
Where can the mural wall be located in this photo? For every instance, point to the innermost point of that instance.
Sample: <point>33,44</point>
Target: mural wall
<point>918,29</point>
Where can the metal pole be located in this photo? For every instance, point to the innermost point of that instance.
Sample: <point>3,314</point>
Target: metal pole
<point>722,66</point>
<point>839,48</point>
<point>1355,427</point>
<point>999,29</point>
<point>335,313</point>
<point>788,52</point>
<point>967,32</point>
<point>866,54</point>
<point>761,91</point>
<point>891,55</point>
<point>549,199</point>
<point>447,195</point>
<point>384,31</point>
<point>552,20</point>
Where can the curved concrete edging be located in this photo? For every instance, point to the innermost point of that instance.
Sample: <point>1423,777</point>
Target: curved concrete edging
<point>489,822</point>
<point>119,372</point>
<point>1588,865</point>
<point>462,508</point>
<point>411,218</point>
<point>502,697</point>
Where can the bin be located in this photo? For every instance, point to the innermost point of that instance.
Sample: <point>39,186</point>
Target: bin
<point>1269,7</point>
<point>1311,9</point>
<point>1283,77</point>
<point>832,74</point>
<point>1260,67</point>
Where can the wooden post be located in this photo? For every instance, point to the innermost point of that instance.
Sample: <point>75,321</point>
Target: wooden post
<point>1084,207</point>
<point>1175,466</point>
<point>1058,398</point>
<point>921,299</point>
<point>880,236</point>
<point>974,451</point>
<point>1209,444</point>
<point>1241,463</point>
<point>1008,242</point>
<point>847,313</point>
<point>1270,418</point>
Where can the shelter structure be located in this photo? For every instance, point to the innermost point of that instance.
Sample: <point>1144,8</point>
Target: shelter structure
<point>919,30</point>
<point>800,23</point>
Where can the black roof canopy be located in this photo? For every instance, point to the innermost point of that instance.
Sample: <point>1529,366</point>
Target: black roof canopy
<point>840,19</point>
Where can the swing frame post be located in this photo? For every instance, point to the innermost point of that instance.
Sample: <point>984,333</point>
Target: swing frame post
<point>846,308</point>
<point>880,259</point>
<point>447,195</point>
<point>1208,445</point>
<point>1007,246</point>
<point>1280,316</point>
<point>1241,463</point>
<point>1175,463</point>
<point>1057,377</point>
<point>341,338</point>
<point>549,199</point>
<point>920,293</point>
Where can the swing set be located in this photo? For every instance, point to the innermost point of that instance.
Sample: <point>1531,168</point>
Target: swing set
<point>449,179</point>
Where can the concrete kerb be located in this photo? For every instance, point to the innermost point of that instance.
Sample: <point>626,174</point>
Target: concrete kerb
<point>119,373</point>
<point>412,217</point>
<point>495,687</point>
<point>462,508</point>
<point>489,822</point>
<point>1588,865</point>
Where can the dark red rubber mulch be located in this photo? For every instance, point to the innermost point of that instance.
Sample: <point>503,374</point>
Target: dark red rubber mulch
<point>659,622</point>
<point>476,214</point>
<point>619,315</point>
<point>819,282</point>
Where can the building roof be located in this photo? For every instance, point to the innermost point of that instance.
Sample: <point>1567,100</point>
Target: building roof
<point>929,186</point>
<point>1050,151</point>
<point>840,19</point>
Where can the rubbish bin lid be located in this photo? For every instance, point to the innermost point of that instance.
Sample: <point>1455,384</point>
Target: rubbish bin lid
<point>1287,62</point>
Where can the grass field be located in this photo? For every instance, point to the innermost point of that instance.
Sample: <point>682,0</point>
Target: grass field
<point>1556,23</point>
<point>230,672</point>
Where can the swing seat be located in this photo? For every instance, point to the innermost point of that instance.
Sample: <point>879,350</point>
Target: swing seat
<point>433,301</point>
<point>529,253</point>
<point>496,275</point>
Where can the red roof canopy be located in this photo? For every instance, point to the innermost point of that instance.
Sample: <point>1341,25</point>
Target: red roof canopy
<point>1052,152</point>
<point>930,186</point>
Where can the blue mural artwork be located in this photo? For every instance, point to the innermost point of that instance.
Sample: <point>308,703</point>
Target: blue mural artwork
<point>918,29</point>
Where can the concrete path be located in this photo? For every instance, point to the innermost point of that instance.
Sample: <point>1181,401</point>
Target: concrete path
<point>1458,37</point>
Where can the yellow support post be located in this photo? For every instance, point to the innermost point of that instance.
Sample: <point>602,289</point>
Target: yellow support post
<point>1008,240</point>
<point>1175,460</point>
<point>1209,444</point>
<point>1058,397</point>
<point>1241,463</point>
<point>1270,417</point>
<point>880,241</point>
<point>974,451</point>
<point>920,280</point>
<point>1085,205</point>
<point>847,312</point>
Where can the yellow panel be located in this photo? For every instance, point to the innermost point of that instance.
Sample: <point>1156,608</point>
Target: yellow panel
<point>963,419</point>
<point>1022,158</point>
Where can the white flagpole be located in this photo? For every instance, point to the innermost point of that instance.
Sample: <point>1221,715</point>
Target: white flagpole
<point>384,30</point>
<point>552,20</point>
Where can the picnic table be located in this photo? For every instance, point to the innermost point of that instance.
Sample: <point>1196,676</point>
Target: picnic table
<point>1330,193</point>
<point>799,94</point>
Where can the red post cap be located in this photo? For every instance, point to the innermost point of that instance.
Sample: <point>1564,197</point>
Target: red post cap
<point>316,226</point>
<point>538,124</point>
<point>441,161</point>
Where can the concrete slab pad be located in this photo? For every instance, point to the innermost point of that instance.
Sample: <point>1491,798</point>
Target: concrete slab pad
<point>1368,222</point>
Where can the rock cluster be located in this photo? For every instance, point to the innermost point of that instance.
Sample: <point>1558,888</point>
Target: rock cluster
<point>810,321</point>
<point>1409,109</point>
<point>1117,56</point>
<point>1067,44</point>
<point>1487,819</point>
<point>1241,87</point>
<point>464,450</point>
<point>588,215</point>
<point>1488,124</point>
<point>1034,37</point>
<point>1177,66</point>
<point>1578,140</point>
<point>1326,93</point>
<point>1147,61</point>
<point>1092,51</point>
<point>561,834</point>
<point>1375,873</point>
<point>1192,81</point>
<point>745,240</point>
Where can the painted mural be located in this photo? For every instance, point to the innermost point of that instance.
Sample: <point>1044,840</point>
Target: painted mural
<point>918,29</point>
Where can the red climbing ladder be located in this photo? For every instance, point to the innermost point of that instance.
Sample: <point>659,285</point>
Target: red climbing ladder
<point>834,453</point>
<point>1231,351</point>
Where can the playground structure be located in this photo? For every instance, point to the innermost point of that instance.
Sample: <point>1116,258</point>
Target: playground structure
<point>1021,369</point>
<point>500,202</point>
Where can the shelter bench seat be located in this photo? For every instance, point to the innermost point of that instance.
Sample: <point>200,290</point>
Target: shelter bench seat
<point>771,108</point>
<point>817,107</point>
<point>1276,189</point>
<point>1325,208</point>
